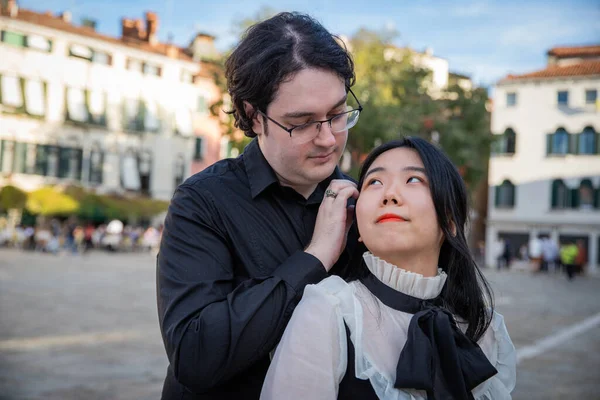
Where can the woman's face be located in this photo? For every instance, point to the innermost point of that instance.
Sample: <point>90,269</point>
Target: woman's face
<point>395,212</point>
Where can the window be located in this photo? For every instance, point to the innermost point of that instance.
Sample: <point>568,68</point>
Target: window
<point>79,51</point>
<point>76,105</point>
<point>591,96</point>
<point>41,159</point>
<point>14,38</point>
<point>199,149</point>
<point>151,122</point>
<point>97,106</point>
<point>20,158</point>
<point>586,194</point>
<point>133,118</point>
<point>558,142</point>
<point>150,69</point>
<point>145,169</point>
<point>69,163</point>
<point>135,65</point>
<point>35,97</point>
<point>511,99</point>
<point>96,165</point>
<point>6,155</point>
<point>39,43</point>
<point>560,195</point>
<point>11,92</point>
<point>100,57</point>
<point>563,98</point>
<point>587,141</point>
<point>505,195</point>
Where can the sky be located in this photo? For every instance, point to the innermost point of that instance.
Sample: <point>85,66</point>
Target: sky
<point>483,39</point>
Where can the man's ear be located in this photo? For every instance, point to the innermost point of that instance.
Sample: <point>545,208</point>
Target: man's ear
<point>257,121</point>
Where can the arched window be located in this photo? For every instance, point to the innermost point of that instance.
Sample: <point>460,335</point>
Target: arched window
<point>505,195</point>
<point>587,141</point>
<point>560,194</point>
<point>559,142</point>
<point>510,138</point>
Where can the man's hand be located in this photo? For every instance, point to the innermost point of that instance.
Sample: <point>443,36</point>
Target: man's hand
<point>333,222</point>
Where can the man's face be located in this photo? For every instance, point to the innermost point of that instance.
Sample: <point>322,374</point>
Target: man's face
<point>311,95</point>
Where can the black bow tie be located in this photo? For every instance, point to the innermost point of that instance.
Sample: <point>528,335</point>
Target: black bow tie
<point>437,357</point>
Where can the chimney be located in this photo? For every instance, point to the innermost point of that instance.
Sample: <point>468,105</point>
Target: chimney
<point>66,16</point>
<point>152,28</point>
<point>12,8</point>
<point>172,51</point>
<point>132,29</point>
<point>203,47</point>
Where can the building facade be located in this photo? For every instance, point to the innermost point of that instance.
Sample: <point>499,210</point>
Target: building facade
<point>119,115</point>
<point>544,173</point>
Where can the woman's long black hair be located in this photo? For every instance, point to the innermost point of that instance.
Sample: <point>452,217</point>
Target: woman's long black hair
<point>466,293</point>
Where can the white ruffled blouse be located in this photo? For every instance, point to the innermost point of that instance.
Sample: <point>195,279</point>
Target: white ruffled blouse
<point>311,359</point>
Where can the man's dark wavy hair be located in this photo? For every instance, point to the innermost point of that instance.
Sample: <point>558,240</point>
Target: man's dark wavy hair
<point>271,52</point>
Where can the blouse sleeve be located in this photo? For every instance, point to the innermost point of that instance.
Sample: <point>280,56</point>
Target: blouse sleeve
<point>310,360</point>
<point>499,349</point>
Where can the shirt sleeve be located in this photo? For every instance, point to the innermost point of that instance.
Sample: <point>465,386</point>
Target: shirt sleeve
<point>499,349</point>
<point>310,361</point>
<point>213,325</point>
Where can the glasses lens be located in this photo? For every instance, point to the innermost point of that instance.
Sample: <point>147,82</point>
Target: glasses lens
<point>344,121</point>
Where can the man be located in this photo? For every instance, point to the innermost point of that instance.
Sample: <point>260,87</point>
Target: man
<point>244,237</point>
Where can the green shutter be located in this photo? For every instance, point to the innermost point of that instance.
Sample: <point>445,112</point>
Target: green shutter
<point>597,198</point>
<point>573,198</point>
<point>549,143</point>
<point>597,142</point>
<point>513,195</point>
<point>554,195</point>
<point>573,143</point>
<point>497,196</point>
<point>41,160</point>
<point>12,38</point>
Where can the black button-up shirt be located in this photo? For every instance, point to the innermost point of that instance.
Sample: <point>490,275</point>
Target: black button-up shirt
<point>230,271</point>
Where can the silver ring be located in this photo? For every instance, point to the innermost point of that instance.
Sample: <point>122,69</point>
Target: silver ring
<point>330,193</point>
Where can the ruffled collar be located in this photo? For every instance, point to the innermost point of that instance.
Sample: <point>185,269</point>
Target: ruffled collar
<point>410,283</point>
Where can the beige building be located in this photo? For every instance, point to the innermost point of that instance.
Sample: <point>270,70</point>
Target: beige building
<point>125,115</point>
<point>544,174</point>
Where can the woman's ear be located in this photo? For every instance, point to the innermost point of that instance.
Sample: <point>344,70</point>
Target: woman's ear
<point>452,228</point>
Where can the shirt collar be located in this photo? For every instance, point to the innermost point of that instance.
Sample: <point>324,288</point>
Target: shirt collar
<point>261,175</point>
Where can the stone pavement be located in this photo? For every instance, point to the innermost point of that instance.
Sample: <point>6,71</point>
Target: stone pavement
<point>85,327</point>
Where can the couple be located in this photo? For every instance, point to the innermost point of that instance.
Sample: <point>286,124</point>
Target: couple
<point>262,252</point>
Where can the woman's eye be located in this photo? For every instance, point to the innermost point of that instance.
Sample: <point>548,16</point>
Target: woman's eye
<point>374,181</point>
<point>414,179</point>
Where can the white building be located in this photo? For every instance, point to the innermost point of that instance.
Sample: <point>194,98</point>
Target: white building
<point>77,106</point>
<point>545,174</point>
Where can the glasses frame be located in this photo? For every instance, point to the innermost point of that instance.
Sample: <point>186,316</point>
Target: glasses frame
<point>290,130</point>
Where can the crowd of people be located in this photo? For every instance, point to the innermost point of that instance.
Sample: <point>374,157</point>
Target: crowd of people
<point>72,236</point>
<point>543,255</point>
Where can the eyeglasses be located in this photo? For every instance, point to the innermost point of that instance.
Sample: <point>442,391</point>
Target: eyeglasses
<point>307,132</point>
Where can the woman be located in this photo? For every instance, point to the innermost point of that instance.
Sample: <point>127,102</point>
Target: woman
<point>415,320</point>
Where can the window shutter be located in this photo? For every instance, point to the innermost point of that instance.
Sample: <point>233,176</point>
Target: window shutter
<point>573,143</point>
<point>574,198</point>
<point>548,143</point>
<point>497,196</point>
